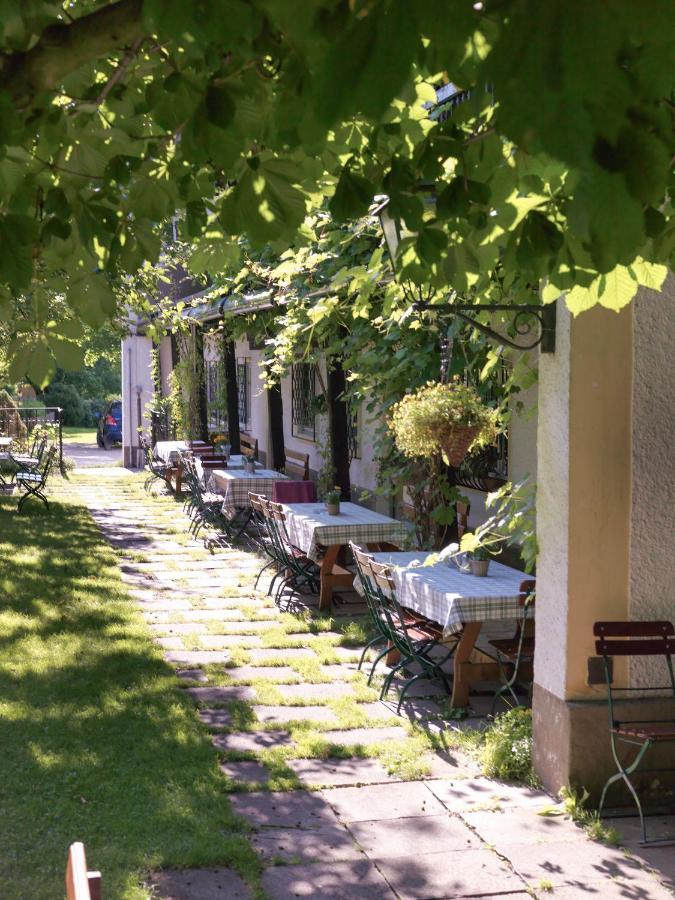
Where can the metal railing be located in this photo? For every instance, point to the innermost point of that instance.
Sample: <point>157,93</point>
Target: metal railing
<point>15,421</point>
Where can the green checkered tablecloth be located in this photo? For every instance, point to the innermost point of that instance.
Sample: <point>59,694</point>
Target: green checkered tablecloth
<point>452,598</point>
<point>311,528</point>
<point>235,484</point>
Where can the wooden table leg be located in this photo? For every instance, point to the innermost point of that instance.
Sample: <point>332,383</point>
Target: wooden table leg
<point>179,479</point>
<point>461,680</point>
<point>327,563</point>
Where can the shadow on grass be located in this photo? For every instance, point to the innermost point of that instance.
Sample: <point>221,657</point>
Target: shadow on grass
<point>98,742</point>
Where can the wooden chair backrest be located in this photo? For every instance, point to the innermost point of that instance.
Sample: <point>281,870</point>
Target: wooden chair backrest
<point>81,884</point>
<point>248,443</point>
<point>297,464</point>
<point>256,503</point>
<point>634,638</point>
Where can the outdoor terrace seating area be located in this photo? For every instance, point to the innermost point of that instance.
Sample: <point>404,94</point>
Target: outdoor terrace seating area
<point>470,635</point>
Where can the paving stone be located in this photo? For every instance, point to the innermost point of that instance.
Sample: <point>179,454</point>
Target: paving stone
<point>170,643</point>
<point>458,873</point>
<point>293,713</point>
<point>339,670</point>
<point>293,845</point>
<point>515,826</point>
<point>265,653</point>
<point>395,837</point>
<point>197,657</point>
<point>168,629</point>
<point>166,604</point>
<point>477,793</point>
<point>268,673</point>
<point>215,718</point>
<point>350,880</point>
<point>243,626</point>
<point>311,691</point>
<point>332,772</point>
<point>244,741</point>
<point>365,736</point>
<point>221,694</point>
<point>245,771</point>
<point>362,804</point>
<point>191,674</point>
<point>220,641</point>
<point>291,809</point>
<point>199,884</point>
<point>571,862</point>
<point>643,888</point>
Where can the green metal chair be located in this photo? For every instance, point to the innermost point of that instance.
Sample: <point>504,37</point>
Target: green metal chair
<point>33,482</point>
<point>419,642</point>
<point>516,652</point>
<point>653,640</point>
<point>298,571</point>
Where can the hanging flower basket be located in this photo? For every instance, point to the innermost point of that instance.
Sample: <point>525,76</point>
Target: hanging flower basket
<point>449,419</point>
<point>455,445</point>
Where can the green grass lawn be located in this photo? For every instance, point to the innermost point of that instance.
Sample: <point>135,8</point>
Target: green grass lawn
<point>98,742</point>
<point>75,435</point>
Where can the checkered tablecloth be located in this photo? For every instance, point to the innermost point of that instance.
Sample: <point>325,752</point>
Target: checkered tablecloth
<point>311,528</point>
<point>445,595</point>
<point>169,451</point>
<point>235,484</point>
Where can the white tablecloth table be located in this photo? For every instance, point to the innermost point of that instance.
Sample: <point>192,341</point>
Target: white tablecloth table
<point>320,536</point>
<point>461,603</point>
<point>235,484</point>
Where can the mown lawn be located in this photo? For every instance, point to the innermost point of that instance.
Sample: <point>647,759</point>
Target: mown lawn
<point>98,743</point>
<point>75,435</point>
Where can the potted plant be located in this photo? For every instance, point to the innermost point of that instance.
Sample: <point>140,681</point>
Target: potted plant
<point>333,501</point>
<point>450,419</point>
<point>480,562</point>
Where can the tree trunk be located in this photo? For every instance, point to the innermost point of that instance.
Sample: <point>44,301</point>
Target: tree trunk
<point>276,414</point>
<point>338,425</point>
<point>232,395</point>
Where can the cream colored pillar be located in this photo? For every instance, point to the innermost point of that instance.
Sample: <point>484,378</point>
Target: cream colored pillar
<point>583,516</point>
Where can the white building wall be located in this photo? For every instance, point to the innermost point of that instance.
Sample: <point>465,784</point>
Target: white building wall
<point>652,563</point>
<point>165,364</point>
<point>137,389</point>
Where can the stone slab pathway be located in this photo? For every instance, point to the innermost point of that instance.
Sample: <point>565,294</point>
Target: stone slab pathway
<point>344,799</point>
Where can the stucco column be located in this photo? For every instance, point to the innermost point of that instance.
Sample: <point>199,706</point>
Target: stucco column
<point>137,392</point>
<point>583,522</point>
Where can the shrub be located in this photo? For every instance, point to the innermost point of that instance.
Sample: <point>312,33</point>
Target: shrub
<point>75,409</point>
<point>507,748</point>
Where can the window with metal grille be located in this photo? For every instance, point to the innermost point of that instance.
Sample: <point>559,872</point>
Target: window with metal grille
<point>482,470</point>
<point>244,392</point>
<point>303,396</point>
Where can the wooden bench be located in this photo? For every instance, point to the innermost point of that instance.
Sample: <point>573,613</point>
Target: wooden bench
<point>81,884</point>
<point>297,464</point>
<point>248,444</point>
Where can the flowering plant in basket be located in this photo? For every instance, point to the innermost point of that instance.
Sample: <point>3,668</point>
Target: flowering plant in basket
<point>450,419</point>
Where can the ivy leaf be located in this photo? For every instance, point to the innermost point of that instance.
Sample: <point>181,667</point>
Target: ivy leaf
<point>353,195</point>
<point>220,107</point>
<point>269,205</point>
<point>17,236</point>
<point>650,275</point>
<point>68,355</point>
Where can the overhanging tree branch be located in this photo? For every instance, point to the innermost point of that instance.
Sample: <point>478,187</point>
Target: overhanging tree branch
<point>62,49</point>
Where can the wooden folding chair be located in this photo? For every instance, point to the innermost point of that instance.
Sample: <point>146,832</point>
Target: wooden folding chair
<point>81,884</point>
<point>655,640</point>
<point>297,464</point>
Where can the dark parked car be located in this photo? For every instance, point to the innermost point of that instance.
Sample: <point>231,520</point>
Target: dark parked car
<point>109,430</point>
